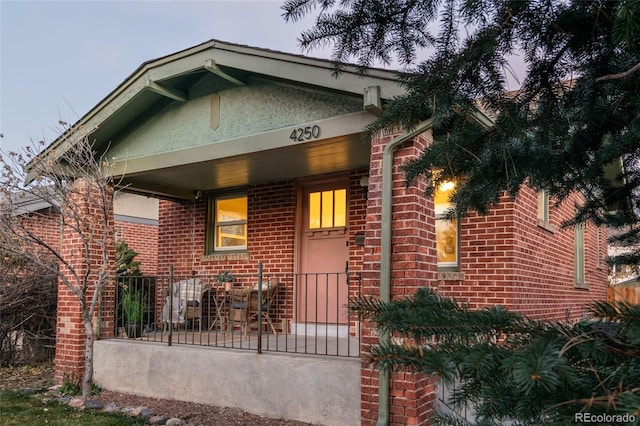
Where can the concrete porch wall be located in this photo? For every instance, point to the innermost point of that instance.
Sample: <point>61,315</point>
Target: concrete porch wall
<point>318,390</point>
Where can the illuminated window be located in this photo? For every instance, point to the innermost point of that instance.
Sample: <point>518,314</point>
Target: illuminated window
<point>328,209</point>
<point>446,229</point>
<point>227,223</point>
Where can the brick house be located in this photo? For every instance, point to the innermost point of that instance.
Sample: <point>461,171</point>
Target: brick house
<point>261,157</point>
<point>135,221</point>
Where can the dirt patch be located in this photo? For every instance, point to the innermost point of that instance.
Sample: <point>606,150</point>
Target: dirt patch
<point>41,377</point>
<point>26,376</point>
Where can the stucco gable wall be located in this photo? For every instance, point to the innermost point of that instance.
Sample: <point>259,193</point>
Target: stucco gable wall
<point>243,111</point>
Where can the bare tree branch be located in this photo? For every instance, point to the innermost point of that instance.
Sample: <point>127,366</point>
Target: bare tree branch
<point>72,189</point>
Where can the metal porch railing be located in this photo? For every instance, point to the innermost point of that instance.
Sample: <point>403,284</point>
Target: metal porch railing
<point>309,312</point>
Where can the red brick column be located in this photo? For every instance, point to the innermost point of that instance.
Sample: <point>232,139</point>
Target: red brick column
<point>413,265</point>
<point>83,251</point>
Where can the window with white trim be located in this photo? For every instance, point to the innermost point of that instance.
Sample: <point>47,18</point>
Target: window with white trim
<point>543,211</point>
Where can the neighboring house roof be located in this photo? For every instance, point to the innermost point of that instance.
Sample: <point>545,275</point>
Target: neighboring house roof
<point>633,282</point>
<point>31,205</point>
<point>129,207</point>
<point>25,202</point>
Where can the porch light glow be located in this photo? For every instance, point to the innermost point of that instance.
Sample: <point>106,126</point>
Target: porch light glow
<point>447,186</point>
<point>442,195</point>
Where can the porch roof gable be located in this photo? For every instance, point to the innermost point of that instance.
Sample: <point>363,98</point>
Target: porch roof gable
<point>167,79</point>
<point>173,80</point>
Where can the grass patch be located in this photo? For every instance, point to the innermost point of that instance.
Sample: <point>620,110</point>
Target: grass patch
<point>17,408</point>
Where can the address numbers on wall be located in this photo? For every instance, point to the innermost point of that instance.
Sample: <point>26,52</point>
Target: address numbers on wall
<point>304,134</point>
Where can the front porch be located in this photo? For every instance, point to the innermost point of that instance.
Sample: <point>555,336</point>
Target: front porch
<point>203,312</point>
<point>307,370</point>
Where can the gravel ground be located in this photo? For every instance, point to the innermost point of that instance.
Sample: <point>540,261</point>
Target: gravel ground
<point>41,377</point>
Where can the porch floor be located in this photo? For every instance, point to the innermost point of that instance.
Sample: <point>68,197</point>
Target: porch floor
<point>282,342</point>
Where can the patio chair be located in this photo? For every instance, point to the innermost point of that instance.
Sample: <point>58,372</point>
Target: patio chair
<point>238,308</point>
<point>269,291</point>
<point>172,310</point>
<point>192,292</point>
<point>244,306</point>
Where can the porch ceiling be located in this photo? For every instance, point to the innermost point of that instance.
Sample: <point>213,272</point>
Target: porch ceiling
<point>313,158</point>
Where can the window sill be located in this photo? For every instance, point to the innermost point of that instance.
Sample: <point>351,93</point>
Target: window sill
<point>450,276</point>
<point>226,256</point>
<point>581,286</point>
<point>546,226</point>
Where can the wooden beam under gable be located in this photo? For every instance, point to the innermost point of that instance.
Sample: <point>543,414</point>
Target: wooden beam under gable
<point>211,66</point>
<point>176,95</point>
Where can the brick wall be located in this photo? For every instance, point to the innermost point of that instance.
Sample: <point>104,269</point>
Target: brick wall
<point>271,228</point>
<point>70,329</point>
<point>506,258</point>
<point>413,257</point>
<point>82,255</point>
<point>46,224</point>
<point>70,332</point>
<point>143,239</point>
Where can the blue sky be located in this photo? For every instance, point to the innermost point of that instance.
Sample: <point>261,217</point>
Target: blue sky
<point>60,58</point>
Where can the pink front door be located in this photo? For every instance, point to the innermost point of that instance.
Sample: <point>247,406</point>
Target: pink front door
<point>322,290</point>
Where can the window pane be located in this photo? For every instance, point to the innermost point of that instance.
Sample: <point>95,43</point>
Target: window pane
<point>442,196</point>
<point>340,215</point>
<point>447,241</point>
<point>579,253</point>
<point>327,209</point>
<point>314,210</point>
<point>230,222</point>
<point>543,206</point>
<point>232,235</point>
<point>231,209</point>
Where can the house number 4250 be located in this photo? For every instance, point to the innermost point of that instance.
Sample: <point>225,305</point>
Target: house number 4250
<point>308,133</point>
